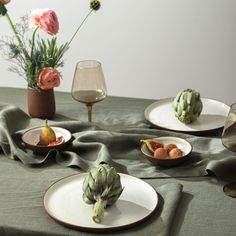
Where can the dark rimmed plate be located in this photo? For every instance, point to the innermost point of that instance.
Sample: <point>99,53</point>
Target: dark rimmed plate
<point>161,114</point>
<point>63,202</point>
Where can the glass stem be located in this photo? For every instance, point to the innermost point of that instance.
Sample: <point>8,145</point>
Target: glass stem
<point>89,109</point>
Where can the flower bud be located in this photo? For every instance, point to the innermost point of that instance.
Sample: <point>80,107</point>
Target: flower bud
<point>3,9</point>
<point>95,5</point>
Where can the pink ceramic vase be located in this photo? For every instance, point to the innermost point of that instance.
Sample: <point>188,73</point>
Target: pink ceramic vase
<point>41,103</point>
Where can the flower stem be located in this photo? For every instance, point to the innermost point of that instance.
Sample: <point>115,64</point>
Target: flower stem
<point>81,24</point>
<point>16,35</point>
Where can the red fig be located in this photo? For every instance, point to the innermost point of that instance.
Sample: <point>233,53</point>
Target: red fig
<point>152,144</point>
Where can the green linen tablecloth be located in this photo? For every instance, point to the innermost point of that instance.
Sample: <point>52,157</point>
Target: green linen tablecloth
<point>113,137</point>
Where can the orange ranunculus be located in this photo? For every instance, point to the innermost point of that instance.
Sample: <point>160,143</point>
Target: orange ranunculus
<point>48,78</point>
<point>46,19</point>
<point>5,1</point>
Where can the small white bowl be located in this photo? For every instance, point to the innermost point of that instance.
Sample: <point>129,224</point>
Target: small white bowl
<point>31,137</point>
<point>181,143</point>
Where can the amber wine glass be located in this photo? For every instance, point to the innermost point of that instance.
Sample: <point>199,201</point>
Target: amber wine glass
<point>89,84</point>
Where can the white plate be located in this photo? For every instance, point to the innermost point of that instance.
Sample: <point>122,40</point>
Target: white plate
<point>63,202</point>
<point>213,116</point>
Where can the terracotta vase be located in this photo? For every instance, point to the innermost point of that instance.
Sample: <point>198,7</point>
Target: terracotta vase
<point>41,103</point>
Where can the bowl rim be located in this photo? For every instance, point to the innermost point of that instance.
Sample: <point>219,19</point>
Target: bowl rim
<point>44,146</point>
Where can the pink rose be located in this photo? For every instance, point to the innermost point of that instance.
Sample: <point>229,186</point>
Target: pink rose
<point>5,1</point>
<point>46,19</point>
<point>48,78</point>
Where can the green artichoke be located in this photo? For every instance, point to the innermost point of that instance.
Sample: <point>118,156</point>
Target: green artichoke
<point>187,106</point>
<point>101,187</point>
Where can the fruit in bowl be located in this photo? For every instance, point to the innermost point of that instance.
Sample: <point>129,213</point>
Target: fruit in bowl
<point>175,153</point>
<point>169,151</point>
<point>60,140</point>
<point>41,139</point>
<point>48,136</point>
<point>152,144</point>
<point>170,146</point>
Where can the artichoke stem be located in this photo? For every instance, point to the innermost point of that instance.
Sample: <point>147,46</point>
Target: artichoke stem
<point>98,210</point>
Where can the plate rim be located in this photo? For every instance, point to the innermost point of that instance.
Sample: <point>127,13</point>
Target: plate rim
<point>168,99</point>
<point>100,229</point>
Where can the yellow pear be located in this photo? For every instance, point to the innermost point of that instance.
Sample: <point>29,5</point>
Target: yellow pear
<point>47,135</point>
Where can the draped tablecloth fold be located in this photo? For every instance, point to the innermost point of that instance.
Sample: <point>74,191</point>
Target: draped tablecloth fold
<point>120,148</point>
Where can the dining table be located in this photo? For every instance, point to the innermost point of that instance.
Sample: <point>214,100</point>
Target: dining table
<point>191,200</point>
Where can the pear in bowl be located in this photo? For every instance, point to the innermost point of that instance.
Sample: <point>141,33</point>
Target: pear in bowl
<point>43,139</point>
<point>47,135</point>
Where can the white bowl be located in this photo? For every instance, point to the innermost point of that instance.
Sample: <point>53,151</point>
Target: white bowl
<point>31,137</point>
<point>181,143</point>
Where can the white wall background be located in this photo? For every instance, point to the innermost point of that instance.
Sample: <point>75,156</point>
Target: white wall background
<point>148,48</point>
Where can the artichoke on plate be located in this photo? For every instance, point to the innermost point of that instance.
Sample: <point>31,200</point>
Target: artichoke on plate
<point>101,187</point>
<point>187,105</point>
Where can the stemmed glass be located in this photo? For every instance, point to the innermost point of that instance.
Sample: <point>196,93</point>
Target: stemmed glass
<point>229,132</point>
<point>89,84</point>
<point>229,141</point>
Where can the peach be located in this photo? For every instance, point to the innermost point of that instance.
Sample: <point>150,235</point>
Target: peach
<point>160,153</point>
<point>170,146</point>
<point>175,153</point>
